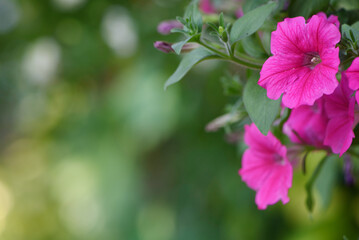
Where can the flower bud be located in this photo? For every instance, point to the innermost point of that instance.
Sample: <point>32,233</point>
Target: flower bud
<point>165,27</point>
<point>163,46</point>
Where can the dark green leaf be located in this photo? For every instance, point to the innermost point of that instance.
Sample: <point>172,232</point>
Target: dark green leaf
<point>306,8</point>
<point>189,60</point>
<point>251,22</point>
<point>252,46</point>
<point>262,110</point>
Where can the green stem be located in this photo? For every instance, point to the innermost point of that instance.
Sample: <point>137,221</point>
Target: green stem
<point>284,120</point>
<point>234,59</point>
<point>248,58</point>
<point>309,185</point>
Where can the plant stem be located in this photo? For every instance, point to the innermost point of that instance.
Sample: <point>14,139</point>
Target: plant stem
<point>284,120</point>
<point>309,185</point>
<point>242,62</point>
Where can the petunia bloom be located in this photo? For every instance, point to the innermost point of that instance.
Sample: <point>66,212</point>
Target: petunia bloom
<point>307,124</point>
<point>340,108</point>
<point>265,167</point>
<point>304,62</point>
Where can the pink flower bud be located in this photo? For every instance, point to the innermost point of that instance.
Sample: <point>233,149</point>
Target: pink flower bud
<point>165,27</point>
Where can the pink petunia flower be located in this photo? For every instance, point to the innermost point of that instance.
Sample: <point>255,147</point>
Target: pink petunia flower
<point>307,124</point>
<point>340,107</point>
<point>265,167</point>
<point>206,6</point>
<point>304,62</point>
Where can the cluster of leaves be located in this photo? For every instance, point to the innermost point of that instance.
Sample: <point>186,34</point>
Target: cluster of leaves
<point>229,36</point>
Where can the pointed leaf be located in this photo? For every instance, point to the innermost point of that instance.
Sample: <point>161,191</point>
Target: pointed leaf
<point>189,60</point>
<point>177,47</point>
<point>251,22</point>
<point>261,110</point>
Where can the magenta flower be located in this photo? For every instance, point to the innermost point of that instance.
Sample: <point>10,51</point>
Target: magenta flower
<point>340,108</point>
<point>307,124</point>
<point>305,61</point>
<point>207,7</point>
<point>165,27</point>
<point>265,167</point>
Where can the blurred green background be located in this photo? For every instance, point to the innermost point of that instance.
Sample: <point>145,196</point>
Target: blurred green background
<point>92,147</point>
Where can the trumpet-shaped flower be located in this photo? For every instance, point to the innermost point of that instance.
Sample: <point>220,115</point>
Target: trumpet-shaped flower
<point>265,167</point>
<point>304,62</point>
<point>340,108</point>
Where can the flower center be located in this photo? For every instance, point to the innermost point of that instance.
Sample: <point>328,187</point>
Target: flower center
<point>311,59</point>
<point>278,159</point>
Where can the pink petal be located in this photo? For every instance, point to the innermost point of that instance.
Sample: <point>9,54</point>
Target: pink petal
<point>353,74</point>
<point>309,123</point>
<point>340,110</point>
<point>332,18</point>
<point>275,187</point>
<point>339,135</point>
<point>261,143</point>
<point>322,34</point>
<point>288,38</point>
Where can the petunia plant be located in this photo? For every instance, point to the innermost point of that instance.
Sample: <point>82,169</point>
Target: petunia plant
<point>295,85</point>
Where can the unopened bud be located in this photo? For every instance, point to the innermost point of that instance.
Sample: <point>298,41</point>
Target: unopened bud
<point>166,47</point>
<point>220,30</point>
<point>163,46</point>
<point>239,12</point>
<point>165,27</point>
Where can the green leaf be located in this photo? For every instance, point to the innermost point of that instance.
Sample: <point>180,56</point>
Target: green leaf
<point>221,20</point>
<point>306,8</point>
<point>189,60</point>
<point>251,22</point>
<point>194,15</point>
<point>350,32</point>
<point>252,47</point>
<point>326,180</point>
<point>261,110</point>
<point>177,47</point>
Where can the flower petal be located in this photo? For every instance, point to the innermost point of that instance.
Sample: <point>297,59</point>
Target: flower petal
<point>353,74</point>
